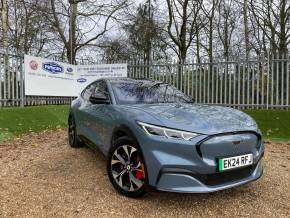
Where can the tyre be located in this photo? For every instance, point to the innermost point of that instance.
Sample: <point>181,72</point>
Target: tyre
<point>126,168</point>
<point>73,138</point>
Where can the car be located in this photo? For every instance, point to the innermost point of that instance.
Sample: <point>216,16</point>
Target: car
<point>155,137</point>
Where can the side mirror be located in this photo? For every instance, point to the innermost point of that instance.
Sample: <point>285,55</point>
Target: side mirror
<point>99,98</point>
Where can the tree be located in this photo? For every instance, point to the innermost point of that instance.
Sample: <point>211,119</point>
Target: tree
<point>28,27</point>
<point>226,26</point>
<point>273,18</point>
<point>181,27</point>
<point>182,17</point>
<point>85,27</point>
<point>4,13</point>
<point>116,50</point>
<point>144,32</point>
<point>209,11</point>
<point>246,29</point>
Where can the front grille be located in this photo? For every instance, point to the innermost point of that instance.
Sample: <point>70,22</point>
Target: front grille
<point>227,176</point>
<point>207,147</point>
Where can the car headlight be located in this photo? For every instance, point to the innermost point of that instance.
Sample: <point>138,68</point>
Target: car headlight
<point>166,132</point>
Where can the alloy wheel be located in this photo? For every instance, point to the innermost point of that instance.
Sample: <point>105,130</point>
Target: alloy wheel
<point>127,168</point>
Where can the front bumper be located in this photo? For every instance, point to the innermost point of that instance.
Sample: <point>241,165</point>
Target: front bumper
<point>177,165</point>
<point>186,183</point>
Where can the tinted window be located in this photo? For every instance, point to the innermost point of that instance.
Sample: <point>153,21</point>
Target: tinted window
<point>141,92</point>
<point>101,88</point>
<point>88,91</point>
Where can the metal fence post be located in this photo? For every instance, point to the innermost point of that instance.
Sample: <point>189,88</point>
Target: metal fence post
<point>22,100</point>
<point>268,74</point>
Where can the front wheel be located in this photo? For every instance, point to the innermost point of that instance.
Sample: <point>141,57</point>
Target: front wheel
<point>126,169</point>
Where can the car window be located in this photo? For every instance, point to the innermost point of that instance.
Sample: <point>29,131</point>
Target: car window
<point>101,88</point>
<point>146,92</point>
<point>88,91</point>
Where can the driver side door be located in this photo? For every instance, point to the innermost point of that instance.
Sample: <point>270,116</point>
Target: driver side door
<point>97,114</point>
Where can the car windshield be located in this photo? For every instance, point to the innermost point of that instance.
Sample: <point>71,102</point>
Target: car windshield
<point>147,92</point>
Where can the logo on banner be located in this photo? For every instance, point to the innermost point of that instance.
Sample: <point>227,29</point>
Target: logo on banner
<point>52,67</point>
<point>33,65</point>
<point>69,69</point>
<point>81,80</point>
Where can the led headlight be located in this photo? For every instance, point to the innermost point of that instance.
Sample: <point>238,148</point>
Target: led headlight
<point>166,132</point>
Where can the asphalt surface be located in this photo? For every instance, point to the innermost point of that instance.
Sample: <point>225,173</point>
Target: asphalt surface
<point>41,176</point>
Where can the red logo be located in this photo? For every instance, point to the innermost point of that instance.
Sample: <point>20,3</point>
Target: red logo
<point>33,65</point>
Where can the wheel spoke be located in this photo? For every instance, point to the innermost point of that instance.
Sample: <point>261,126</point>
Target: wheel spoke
<point>71,132</point>
<point>120,159</point>
<point>131,186</point>
<point>132,151</point>
<point>138,165</point>
<point>129,153</point>
<point>125,148</point>
<point>137,168</point>
<point>137,182</point>
<point>71,125</point>
<point>120,175</point>
<point>115,161</point>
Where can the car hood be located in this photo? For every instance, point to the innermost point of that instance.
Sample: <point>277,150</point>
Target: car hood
<point>202,119</point>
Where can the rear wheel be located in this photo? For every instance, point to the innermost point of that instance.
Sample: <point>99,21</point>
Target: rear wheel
<point>126,169</point>
<point>73,138</point>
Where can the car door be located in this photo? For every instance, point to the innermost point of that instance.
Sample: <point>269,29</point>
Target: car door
<point>97,119</point>
<point>82,110</point>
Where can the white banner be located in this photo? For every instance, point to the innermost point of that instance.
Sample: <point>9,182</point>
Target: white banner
<point>44,77</point>
<point>48,78</point>
<point>89,73</point>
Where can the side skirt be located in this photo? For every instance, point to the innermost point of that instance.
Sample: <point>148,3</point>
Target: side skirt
<point>91,144</point>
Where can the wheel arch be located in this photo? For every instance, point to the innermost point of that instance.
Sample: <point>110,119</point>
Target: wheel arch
<point>120,131</point>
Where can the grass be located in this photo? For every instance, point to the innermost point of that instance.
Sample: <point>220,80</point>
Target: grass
<point>275,124</point>
<point>18,121</point>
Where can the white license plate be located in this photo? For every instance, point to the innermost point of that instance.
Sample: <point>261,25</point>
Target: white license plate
<point>235,162</point>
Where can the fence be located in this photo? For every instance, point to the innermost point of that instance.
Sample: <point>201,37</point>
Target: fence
<point>244,84</point>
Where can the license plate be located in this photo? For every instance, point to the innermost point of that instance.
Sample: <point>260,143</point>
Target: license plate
<point>235,162</point>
